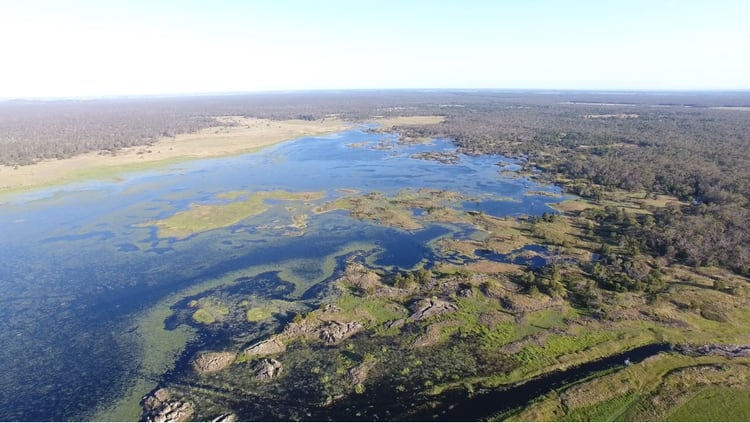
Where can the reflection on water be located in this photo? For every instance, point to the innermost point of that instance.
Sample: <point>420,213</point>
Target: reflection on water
<point>78,270</point>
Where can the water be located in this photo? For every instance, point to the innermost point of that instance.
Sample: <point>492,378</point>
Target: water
<point>79,268</point>
<point>483,405</point>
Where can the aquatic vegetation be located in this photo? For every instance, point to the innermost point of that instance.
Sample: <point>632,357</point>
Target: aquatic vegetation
<point>209,312</point>
<point>409,209</point>
<point>259,309</point>
<point>205,217</point>
<point>440,291</point>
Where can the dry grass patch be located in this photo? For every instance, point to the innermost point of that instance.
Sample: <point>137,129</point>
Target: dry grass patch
<point>576,205</point>
<point>388,124</point>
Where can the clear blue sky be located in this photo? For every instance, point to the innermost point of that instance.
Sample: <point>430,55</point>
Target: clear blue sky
<point>92,48</point>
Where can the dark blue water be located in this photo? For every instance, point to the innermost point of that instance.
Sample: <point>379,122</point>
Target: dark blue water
<point>77,263</point>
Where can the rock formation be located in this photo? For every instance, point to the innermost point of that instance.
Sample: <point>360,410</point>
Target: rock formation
<point>269,346</point>
<point>267,369</point>
<point>160,407</point>
<point>206,362</point>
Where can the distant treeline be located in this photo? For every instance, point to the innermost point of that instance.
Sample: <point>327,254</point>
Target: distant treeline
<point>31,131</point>
<point>35,130</point>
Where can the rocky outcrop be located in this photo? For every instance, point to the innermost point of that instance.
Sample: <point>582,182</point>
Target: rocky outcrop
<point>333,332</point>
<point>729,351</point>
<point>360,278</point>
<point>397,324</point>
<point>207,362</point>
<point>429,307</point>
<point>331,308</point>
<point>330,331</point>
<point>229,417</point>
<point>359,373</point>
<point>267,369</point>
<point>158,406</point>
<point>306,328</point>
<point>266,347</point>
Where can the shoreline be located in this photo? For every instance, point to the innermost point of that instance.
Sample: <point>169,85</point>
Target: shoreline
<point>238,136</point>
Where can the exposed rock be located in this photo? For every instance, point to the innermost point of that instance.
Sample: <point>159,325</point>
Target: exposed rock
<point>156,398</point>
<point>206,362</point>
<point>330,400</point>
<point>730,351</point>
<point>361,278</point>
<point>333,332</point>
<point>433,334</point>
<point>324,328</point>
<point>395,323</point>
<point>331,308</point>
<point>229,417</point>
<point>159,407</point>
<point>359,373</point>
<point>266,347</point>
<point>429,307</point>
<point>466,293</point>
<point>306,327</point>
<point>267,369</point>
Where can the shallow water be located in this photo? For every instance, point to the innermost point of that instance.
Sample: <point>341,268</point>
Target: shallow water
<point>78,270</point>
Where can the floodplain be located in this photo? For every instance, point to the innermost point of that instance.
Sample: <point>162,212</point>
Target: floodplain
<point>367,270</point>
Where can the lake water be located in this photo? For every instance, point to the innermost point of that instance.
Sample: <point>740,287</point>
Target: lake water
<point>83,282</point>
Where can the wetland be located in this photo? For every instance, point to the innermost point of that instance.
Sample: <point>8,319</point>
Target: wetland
<point>114,286</point>
<point>379,272</point>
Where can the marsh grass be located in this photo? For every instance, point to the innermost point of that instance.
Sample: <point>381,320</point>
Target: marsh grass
<point>715,403</point>
<point>205,217</point>
<point>663,387</point>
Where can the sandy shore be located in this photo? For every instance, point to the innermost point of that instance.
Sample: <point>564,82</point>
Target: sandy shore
<point>243,136</point>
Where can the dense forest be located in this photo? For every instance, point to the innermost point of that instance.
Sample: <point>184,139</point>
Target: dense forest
<point>697,154</point>
<point>693,146</point>
<point>31,131</point>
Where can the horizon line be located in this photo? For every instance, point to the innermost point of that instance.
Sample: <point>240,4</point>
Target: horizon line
<point>343,90</point>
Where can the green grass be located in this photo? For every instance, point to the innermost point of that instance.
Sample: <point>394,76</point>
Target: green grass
<point>687,389</point>
<point>203,316</point>
<point>559,232</point>
<point>536,356</point>
<point>547,319</point>
<point>605,411</point>
<point>206,217</point>
<point>379,310</point>
<point>256,314</point>
<point>211,314</point>
<point>715,403</point>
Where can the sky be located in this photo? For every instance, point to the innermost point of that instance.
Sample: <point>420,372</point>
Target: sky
<point>80,48</point>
